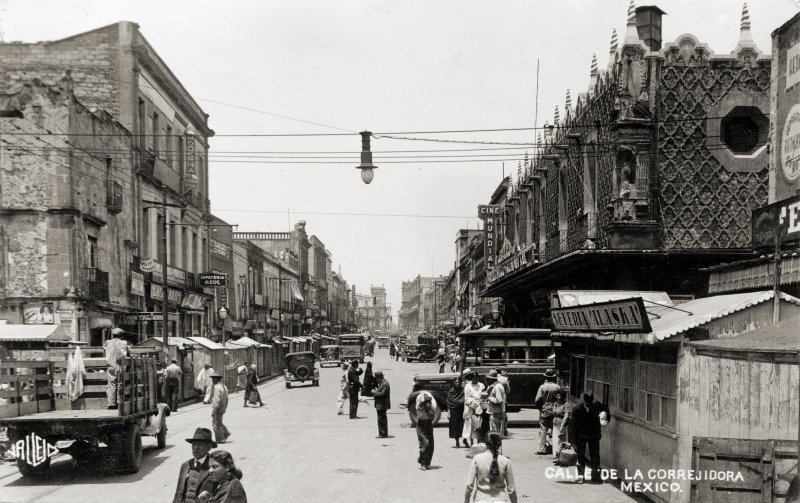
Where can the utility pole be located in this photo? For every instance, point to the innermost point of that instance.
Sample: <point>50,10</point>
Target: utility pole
<point>776,301</point>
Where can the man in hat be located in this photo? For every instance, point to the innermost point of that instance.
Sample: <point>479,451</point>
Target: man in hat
<point>546,399</point>
<point>193,477</point>
<point>426,411</point>
<point>173,374</point>
<point>251,386</point>
<point>354,387</point>
<point>584,431</point>
<point>116,349</point>
<point>382,403</point>
<point>496,397</point>
<point>204,382</point>
<point>219,404</point>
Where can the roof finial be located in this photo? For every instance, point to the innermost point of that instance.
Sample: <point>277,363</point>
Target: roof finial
<point>568,103</point>
<point>745,18</point>
<point>745,37</point>
<point>593,72</point>
<point>612,54</point>
<point>539,138</point>
<point>631,33</point>
<point>556,117</point>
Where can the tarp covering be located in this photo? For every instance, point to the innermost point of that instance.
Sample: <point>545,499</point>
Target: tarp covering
<point>244,342</point>
<point>33,333</point>
<point>207,343</point>
<point>782,337</point>
<point>172,341</point>
<point>296,292</point>
<point>570,298</point>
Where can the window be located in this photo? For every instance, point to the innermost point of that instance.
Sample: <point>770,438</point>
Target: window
<point>201,253</point>
<point>168,155</point>
<point>91,242</point>
<point>181,160</point>
<point>184,249</point>
<point>193,252</point>
<point>160,236</point>
<point>142,123</point>
<point>173,245</point>
<point>563,202</point>
<point>741,134</point>
<point>156,132</point>
<point>146,233</point>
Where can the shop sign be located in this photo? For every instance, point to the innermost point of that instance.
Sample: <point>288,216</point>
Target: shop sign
<point>212,279</point>
<point>792,66</point>
<point>147,265</point>
<point>491,214</point>
<point>148,316</point>
<point>627,315</point>
<point>157,293</point>
<point>33,449</point>
<point>790,145</point>
<point>222,295</point>
<point>176,277</point>
<point>220,249</point>
<point>137,283</point>
<point>510,264</point>
<point>782,218</point>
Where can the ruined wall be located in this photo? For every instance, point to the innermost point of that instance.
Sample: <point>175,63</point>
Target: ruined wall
<point>93,58</point>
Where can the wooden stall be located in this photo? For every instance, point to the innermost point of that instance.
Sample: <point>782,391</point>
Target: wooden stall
<point>207,351</point>
<point>181,349</point>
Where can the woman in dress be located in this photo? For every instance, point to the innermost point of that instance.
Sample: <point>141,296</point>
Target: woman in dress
<point>369,381</point>
<point>560,416</point>
<point>490,477</point>
<point>223,472</point>
<point>472,406</point>
<point>455,411</point>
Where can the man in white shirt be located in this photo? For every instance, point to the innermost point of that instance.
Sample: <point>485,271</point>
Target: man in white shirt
<point>204,383</point>
<point>496,396</point>
<point>115,348</point>
<point>426,411</point>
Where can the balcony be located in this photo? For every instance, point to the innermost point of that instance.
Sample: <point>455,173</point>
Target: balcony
<point>114,197</point>
<point>96,284</point>
<point>148,163</point>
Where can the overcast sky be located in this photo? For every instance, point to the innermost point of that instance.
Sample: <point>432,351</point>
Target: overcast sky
<point>383,66</point>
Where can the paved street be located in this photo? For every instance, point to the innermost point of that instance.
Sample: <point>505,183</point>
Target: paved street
<point>298,449</point>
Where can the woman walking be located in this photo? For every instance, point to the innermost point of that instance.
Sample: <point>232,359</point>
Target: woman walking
<point>560,415</point>
<point>472,406</point>
<point>455,411</point>
<point>490,477</point>
<point>223,472</point>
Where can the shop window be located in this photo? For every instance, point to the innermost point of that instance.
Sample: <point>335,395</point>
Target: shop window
<point>626,400</point>
<point>744,130</point>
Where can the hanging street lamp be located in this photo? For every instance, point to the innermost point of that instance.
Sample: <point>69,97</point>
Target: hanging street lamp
<point>366,166</point>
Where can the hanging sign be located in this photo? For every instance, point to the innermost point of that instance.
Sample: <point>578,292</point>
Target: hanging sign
<point>491,214</point>
<point>627,315</point>
<point>137,283</point>
<point>147,265</point>
<point>212,279</point>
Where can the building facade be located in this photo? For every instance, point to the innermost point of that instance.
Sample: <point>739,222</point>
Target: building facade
<point>372,311</point>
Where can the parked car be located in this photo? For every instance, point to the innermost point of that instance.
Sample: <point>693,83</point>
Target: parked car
<point>420,353</point>
<point>329,355</point>
<point>300,367</point>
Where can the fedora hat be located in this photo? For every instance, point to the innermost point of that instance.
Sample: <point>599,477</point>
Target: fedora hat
<point>215,374</point>
<point>550,373</point>
<point>492,374</point>
<point>467,372</point>
<point>202,435</point>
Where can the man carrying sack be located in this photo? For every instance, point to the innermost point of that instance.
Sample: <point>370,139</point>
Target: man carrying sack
<point>251,393</point>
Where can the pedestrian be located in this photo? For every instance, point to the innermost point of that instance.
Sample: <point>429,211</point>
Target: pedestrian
<point>472,406</point>
<point>241,380</point>
<point>441,359</point>
<point>173,374</point>
<point>455,411</point>
<point>506,382</point>
<point>193,477</point>
<point>560,417</point>
<point>204,383</point>
<point>391,350</point>
<point>426,411</point>
<point>369,381</point>
<point>496,397</point>
<point>354,387</point>
<point>490,477</point>
<point>116,349</point>
<point>343,389</point>
<point>585,421</point>
<point>226,477</point>
<point>545,401</point>
<point>251,387</point>
<point>382,403</point>
<point>219,404</point>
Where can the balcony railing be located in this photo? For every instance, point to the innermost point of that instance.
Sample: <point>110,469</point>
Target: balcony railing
<point>96,284</point>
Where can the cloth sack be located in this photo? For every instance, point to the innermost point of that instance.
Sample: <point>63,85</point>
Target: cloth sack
<point>567,455</point>
<point>477,449</point>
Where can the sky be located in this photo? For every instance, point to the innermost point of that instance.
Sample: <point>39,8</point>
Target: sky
<point>288,67</point>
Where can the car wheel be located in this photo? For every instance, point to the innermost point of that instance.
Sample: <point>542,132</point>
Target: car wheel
<point>130,456</point>
<point>161,438</point>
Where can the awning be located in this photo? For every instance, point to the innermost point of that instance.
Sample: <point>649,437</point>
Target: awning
<point>243,342</point>
<point>250,324</point>
<point>296,292</point>
<point>208,343</point>
<point>180,342</point>
<point>754,276</point>
<point>780,339</point>
<point>463,288</point>
<point>33,333</point>
<point>570,298</point>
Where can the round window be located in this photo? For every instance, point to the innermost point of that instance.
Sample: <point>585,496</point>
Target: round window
<point>741,134</point>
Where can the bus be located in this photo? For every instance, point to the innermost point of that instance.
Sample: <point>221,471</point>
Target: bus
<point>352,347</point>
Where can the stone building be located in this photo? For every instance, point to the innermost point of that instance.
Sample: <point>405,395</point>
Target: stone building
<point>115,69</point>
<point>416,302</point>
<point>372,312</point>
<point>67,216</point>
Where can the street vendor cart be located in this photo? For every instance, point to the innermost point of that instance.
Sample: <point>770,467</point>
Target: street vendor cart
<point>45,414</point>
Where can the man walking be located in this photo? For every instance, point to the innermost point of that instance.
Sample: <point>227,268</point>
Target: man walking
<point>546,399</point>
<point>203,381</point>
<point>585,422</point>
<point>251,387</point>
<point>193,477</point>
<point>426,411</point>
<point>343,389</point>
<point>354,387</point>
<point>505,381</point>
<point>382,404</point>
<point>173,374</point>
<point>115,348</point>
<point>219,404</point>
<point>496,396</point>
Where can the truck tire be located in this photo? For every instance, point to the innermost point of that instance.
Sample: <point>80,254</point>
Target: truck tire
<point>130,453</point>
<point>29,471</point>
<point>161,438</point>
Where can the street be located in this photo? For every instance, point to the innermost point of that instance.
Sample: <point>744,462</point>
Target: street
<point>298,449</point>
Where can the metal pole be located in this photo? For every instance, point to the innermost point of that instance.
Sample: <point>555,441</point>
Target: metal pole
<point>163,258</point>
<point>280,305</point>
<point>776,301</point>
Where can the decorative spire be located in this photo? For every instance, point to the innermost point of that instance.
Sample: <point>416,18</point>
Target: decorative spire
<point>745,18</point>
<point>612,52</point>
<point>539,138</point>
<point>568,103</point>
<point>745,37</point>
<point>631,33</point>
<point>556,117</point>
<point>519,172</point>
<point>593,71</point>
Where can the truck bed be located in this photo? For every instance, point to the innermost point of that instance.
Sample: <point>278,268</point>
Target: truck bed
<point>105,415</point>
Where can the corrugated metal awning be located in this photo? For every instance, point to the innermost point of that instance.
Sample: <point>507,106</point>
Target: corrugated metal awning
<point>33,333</point>
<point>754,276</point>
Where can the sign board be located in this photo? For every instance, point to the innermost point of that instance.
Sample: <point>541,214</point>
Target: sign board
<point>782,217</point>
<point>33,449</point>
<point>491,214</point>
<point>221,249</point>
<point>222,296</point>
<point>784,133</point>
<point>627,316</point>
<point>792,65</point>
<point>148,316</point>
<point>137,283</point>
<point>147,265</point>
<point>511,264</point>
<point>212,279</point>
<point>157,293</point>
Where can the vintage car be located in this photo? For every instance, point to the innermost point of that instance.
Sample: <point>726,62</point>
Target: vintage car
<point>438,385</point>
<point>352,347</point>
<point>329,355</point>
<point>300,367</point>
<point>419,353</point>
